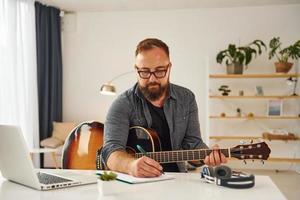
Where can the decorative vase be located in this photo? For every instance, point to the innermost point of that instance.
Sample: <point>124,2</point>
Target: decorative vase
<point>283,67</point>
<point>235,68</point>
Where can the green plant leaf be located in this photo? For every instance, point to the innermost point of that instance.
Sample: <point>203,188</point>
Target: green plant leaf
<point>227,62</point>
<point>274,45</point>
<point>294,50</point>
<point>240,57</point>
<point>259,43</point>
<point>248,56</point>
<point>274,42</point>
<point>108,177</point>
<point>232,50</point>
<point>220,56</point>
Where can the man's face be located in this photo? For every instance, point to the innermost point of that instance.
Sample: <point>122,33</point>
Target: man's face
<point>153,60</point>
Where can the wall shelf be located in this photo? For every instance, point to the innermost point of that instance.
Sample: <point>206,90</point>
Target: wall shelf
<point>289,160</point>
<point>277,75</point>
<point>254,97</point>
<point>255,117</point>
<point>234,137</point>
<point>215,117</point>
<point>221,137</point>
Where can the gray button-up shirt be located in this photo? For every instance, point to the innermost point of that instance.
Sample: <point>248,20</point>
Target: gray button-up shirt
<point>130,109</point>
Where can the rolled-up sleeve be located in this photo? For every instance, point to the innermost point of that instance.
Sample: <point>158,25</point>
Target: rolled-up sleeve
<point>116,127</point>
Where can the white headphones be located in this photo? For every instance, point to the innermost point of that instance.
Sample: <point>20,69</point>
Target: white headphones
<point>224,176</point>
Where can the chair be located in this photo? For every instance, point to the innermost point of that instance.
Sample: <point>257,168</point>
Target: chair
<point>60,131</point>
<point>80,147</point>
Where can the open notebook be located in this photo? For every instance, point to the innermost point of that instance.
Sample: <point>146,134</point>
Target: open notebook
<point>131,179</point>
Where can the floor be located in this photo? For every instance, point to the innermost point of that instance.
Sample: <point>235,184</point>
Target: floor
<point>288,182</point>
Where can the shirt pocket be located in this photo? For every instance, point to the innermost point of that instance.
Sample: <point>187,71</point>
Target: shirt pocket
<point>135,121</point>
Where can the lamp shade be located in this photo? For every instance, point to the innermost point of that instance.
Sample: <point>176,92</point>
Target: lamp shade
<point>108,89</point>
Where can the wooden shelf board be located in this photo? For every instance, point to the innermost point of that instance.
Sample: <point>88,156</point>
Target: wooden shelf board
<point>254,97</point>
<point>255,117</point>
<point>277,75</point>
<point>222,137</point>
<point>234,137</point>
<point>289,160</point>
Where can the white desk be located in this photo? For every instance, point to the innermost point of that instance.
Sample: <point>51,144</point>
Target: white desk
<point>185,186</point>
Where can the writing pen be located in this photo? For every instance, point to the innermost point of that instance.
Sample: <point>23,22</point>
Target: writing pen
<point>145,154</point>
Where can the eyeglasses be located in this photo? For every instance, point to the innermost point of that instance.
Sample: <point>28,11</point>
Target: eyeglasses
<point>160,72</point>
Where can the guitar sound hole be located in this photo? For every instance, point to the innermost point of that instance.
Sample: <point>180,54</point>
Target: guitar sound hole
<point>138,136</point>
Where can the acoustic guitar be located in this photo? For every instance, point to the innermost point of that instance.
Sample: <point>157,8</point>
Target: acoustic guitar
<point>82,144</point>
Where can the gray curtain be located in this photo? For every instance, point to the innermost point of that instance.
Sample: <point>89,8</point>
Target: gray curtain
<point>49,67</point>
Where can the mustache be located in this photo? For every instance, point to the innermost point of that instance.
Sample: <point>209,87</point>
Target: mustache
<point>153,84</point>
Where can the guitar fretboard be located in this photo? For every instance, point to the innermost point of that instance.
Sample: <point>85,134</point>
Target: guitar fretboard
<point>180,155</point>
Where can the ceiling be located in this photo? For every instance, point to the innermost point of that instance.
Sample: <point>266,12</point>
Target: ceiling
<point>130,5</point>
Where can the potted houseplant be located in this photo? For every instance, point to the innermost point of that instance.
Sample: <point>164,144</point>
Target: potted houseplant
<point>236,57</point>
<point>293,51</point>
<point>107,183</point>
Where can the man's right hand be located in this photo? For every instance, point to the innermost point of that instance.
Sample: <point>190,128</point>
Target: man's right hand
<point>145,167</point>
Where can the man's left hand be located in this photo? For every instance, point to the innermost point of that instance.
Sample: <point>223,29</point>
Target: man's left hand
<point>215,157</point>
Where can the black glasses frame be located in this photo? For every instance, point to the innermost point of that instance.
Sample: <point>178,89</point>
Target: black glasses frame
<point>147,73</point>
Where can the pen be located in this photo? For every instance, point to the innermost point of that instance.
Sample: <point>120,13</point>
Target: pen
<point>145,154</point>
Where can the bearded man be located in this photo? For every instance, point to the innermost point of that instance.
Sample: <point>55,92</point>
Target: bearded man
<point>154,103</point>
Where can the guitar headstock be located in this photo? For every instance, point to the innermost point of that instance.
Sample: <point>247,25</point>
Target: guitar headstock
<point>259,151</point>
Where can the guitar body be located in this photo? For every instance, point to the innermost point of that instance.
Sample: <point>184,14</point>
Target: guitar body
<point>80,148</point>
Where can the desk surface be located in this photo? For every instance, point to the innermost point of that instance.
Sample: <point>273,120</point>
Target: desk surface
<point>184,186</point>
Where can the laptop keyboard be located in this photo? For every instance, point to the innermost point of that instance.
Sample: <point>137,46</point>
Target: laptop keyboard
<point>51,179</point>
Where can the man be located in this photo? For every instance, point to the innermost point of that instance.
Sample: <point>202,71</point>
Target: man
<point>153,103</point>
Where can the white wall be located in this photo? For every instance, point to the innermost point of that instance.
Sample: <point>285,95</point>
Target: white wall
<point>102,45</point>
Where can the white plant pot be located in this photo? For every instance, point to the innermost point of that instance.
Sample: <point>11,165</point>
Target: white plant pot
<point>106,188</point>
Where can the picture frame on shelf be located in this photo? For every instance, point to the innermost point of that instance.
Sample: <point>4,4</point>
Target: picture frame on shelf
<point>259,90</point>
<point>275,107</point>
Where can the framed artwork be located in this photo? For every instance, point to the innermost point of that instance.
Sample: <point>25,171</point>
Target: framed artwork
<point>259,90</point>
<point>275,107</point>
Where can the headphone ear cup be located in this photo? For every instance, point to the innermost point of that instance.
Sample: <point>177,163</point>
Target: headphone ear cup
<point>222,172</point>
<point>208,171</point>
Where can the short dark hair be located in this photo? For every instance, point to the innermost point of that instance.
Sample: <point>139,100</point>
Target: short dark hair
<point>151,43</point>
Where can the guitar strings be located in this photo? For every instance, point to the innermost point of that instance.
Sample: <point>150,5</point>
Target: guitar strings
<point>195,150</point>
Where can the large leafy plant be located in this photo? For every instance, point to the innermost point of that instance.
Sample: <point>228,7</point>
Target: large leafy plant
<point>283,55</point>
<point>240,55</point>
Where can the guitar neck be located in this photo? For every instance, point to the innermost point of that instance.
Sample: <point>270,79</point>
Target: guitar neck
<point>180,155</point>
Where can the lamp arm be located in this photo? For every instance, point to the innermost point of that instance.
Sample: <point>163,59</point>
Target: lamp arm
<point>120,75</point>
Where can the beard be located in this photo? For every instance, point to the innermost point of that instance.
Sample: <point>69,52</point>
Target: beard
<point>153,91</point>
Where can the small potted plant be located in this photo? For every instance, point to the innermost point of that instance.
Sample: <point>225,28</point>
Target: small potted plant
<point>225,90</point>
<point>236,57</point>
<point>107,176</point>
<point>293,51</point>
<point>107,183</point>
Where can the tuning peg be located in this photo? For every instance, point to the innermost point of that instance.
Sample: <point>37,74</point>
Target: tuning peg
<point>251,141</point>
<point>262,161</point>
<point>252,160</point>
<point>245,162</point>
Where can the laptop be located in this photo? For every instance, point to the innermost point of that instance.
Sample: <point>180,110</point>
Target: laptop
<point>16,165</point>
